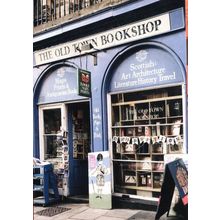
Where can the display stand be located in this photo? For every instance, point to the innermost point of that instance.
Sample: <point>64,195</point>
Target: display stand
<point>44,182</point>
<point>176,175</point>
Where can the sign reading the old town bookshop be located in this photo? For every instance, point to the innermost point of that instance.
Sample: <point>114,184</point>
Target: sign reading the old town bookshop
<point>176,174</point>
<point>84,83</point>
<point>128,33</point>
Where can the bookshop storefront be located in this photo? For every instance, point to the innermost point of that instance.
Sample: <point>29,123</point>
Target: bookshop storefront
<point>137,110</point>
<point>146,99</point>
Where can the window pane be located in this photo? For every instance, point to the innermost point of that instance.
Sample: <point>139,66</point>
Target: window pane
<point>52,121</point>
<point>52,124</point>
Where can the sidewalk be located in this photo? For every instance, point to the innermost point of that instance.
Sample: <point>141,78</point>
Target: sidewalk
<point>82,211</point>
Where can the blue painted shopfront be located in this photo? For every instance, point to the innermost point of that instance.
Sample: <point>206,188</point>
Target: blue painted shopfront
<point>145,64</point>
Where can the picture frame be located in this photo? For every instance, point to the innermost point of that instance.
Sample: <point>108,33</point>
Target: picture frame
<point>158,166</point>
<point>175,148</point>
<point>129,148</point>
<point>130,179</point>
<point>143,179</point>
<point>146,166</point>
<point>129,131</point>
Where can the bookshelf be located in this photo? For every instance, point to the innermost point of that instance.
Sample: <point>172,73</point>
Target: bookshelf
<point>80,134</point>
<point>144,127</point>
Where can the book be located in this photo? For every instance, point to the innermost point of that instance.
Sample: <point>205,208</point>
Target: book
<point>176,127</point>
<point>167,110</point>
<point>158,128</point>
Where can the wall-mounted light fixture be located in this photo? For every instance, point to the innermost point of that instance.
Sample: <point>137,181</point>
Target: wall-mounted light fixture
<point>87,47</point>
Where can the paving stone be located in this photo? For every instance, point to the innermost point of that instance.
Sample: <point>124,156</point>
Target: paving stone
<point>121,213</point>
<point>109,218</point>
<point>90,214</point>
<point>69,214</point>
<point>40,217</point>
<point>84,212</point>
<point>38,208</point>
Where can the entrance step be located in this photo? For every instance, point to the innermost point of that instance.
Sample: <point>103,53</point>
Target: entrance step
<point>131,203</point>
<point>78,199</point>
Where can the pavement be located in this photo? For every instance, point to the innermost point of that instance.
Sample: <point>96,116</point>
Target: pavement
<point>82,211</point>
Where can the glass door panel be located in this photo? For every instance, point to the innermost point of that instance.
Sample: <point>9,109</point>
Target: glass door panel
<point>52,126</point>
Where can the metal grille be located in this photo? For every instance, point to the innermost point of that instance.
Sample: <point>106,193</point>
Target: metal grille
<point>49,10</point>
<point>51,211</point>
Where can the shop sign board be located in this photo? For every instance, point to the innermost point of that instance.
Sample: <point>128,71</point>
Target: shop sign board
<point>176,175</point>
<point>60,85</point>
<point>99,180</point>
<point>149,66</point>
<point>84,83</point>
<point>124,34</point>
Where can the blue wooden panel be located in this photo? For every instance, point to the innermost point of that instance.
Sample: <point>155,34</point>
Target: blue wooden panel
<point>78,169</point>
<point>177,20</point>
<point>79,177</point>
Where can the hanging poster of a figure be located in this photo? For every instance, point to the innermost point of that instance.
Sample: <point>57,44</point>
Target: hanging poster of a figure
<point>99,180</point>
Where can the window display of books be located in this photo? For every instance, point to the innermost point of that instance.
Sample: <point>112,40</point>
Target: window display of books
<point>144,129</point>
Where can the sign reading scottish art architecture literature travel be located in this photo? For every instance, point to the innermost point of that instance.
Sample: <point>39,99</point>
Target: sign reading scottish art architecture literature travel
<point>84,83</point>
<point>128,33</point>
<point>152,65</point>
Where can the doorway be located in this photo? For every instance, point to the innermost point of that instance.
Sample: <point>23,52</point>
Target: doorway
<point>65,141</point>
<point>80,140</point>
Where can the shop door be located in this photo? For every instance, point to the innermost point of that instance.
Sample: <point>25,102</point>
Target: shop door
<point>79,139</point>
<point>53,142</point>
<point>51,121</point>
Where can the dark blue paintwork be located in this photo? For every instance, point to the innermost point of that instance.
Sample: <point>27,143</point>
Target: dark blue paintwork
<point>78,168</point>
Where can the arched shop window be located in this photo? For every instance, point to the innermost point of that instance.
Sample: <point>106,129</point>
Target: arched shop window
<point>147,118</point>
